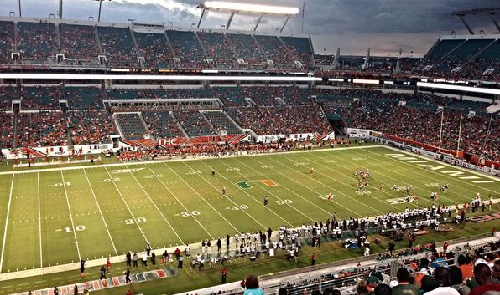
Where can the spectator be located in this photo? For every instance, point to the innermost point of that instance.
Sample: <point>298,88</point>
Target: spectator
<point>404,286</point>
<point>383,289</point>
<point>443,283</point>
<point>252,286</point>
<point>428,284</point>
<point>482,273</point>
<point>457,280</point>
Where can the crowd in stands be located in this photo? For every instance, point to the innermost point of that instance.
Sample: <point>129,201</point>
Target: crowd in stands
<point>419,118</point>
<point>217,49</point>
<point>282,110</point>
<point>131,125</point>
<point>194,123</point>
<point>90,127</point>
<point>79,42</point>
<point>187,49</point>
<point>248,49</point>
<point>276,50</point>
<point>41,98</point>
<point>36,41</point>
<point>281,120</point>
<point>42,129</point>
<point>6,41</point>
<point>153,47</point>
<point>161,124</point>
<point>118,46</point>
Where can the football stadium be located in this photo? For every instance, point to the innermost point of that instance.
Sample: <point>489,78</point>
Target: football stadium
<point>249,147</point>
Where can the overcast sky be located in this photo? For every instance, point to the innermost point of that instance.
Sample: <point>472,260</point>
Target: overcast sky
<point>352,25</point>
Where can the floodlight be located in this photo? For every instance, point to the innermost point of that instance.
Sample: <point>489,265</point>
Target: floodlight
<point>252,8</point>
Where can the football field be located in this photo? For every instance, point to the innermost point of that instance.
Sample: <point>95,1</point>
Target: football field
<point>62,215</point>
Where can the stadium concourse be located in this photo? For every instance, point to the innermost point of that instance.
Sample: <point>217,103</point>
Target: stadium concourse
<point>201,152</point>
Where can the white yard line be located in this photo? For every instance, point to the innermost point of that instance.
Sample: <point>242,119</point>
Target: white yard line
<point>317,192</point>
<point>126,205</point>
<point>100,211</point>
<point>229,199</point>
<point>158,209</point>
<point>291,191</point>
<point>325,185</point>
<point>71,217</point>
<point>416,171</point>
<point>350,176</point>
<point>442,174</point>
<point>195,158</point>
<point>271,193</point>
<point>39,218</point>
<point>6,223</point>
<point>178,201</point>
<point>201,197</point>
<point>249,195</point>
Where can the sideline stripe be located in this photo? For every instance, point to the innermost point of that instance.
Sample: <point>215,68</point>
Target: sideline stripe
<point>71,217</point>
<point>39,217</point>
<point>6,223</point>
<point>120,164</point>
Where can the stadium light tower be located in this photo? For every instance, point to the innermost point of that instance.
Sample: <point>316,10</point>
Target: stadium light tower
<point>19,6</point>
<point>234,8</point>
<point>100,9</point>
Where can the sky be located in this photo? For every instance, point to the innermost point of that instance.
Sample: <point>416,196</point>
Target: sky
<point>385,26</point>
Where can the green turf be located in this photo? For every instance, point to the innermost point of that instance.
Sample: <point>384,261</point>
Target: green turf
<point>104,211</point>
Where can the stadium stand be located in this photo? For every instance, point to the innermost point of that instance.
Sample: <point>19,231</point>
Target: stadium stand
<point>42,129</point>
<point>90,127</point>
<point>221,121</point>
<point>186,48</point>
<point>218,49</point>
<point>87,98</point>
<point>443,48</point>
<point>281,120</point>
<point>301,48</point>
<point>162,125</point>
<point>275,50</point>
<point>153,47</point>
<point>131,125</point>
<point>36,41</point>
<point>118,46</point>
<point>194,123</point>
<point>6,41</point>
<point>79,42</point>
<point>324,59</point>
<point>247,48</point>
<point>41,98</point>
<point>7,94</point>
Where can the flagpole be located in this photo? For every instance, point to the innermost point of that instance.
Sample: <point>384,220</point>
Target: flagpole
<point>303,15</point>
<point>441,131</point>
<point>459,134</point>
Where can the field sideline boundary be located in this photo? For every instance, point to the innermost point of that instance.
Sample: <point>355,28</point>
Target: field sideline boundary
<point>190,158</point>
<point>444,163</point>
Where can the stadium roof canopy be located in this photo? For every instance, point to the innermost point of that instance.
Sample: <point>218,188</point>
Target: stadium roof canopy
<point>233,8</point>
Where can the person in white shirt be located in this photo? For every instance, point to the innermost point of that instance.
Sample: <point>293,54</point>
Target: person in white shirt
<point>443,281</point>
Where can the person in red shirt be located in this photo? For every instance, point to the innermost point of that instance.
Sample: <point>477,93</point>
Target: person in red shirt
<point>129,292</point>
<point>482,272</point>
